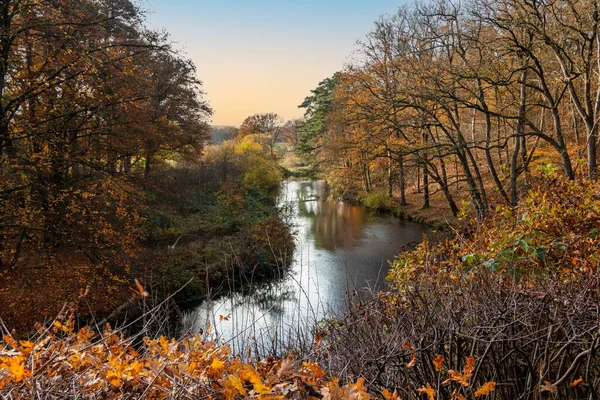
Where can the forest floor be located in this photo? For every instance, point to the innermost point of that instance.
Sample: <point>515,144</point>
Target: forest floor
<point>437,216</point>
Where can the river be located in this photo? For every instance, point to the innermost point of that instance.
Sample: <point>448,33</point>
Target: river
<point>340,248</point>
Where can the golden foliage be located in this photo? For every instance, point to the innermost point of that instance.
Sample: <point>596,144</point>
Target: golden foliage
<point>107,366</point>
<point>485,389</point>
<point>428,391</point>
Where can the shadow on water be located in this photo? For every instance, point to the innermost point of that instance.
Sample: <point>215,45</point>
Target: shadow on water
<point>340,248</point>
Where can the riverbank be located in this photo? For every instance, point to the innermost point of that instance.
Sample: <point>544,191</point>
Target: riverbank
<point>209,227</point>
<point>437,216</point>
<point>340,248</point>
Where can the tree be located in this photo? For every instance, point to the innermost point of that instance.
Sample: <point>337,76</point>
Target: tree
<point>86,92</point>
<point>267,125</point>
<point>317,106</point>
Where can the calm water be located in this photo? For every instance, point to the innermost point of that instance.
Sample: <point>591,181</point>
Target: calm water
<point>339,248</point>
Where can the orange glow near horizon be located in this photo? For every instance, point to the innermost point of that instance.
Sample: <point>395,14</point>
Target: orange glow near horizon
<point>256,56</point>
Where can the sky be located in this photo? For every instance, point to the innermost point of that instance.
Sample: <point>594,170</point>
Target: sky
<point>256,56</point>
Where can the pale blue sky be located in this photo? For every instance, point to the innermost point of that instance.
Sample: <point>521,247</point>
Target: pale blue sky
<point>264,55</point>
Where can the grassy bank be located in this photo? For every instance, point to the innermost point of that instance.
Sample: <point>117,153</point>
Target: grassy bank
<point>213,226</point>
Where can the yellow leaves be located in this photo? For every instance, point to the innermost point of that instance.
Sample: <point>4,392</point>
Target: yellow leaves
<point>60,326</point>
<point>249,374</point>
<point>122,371</point>
<point>427,390</point>
<point>485,389</point>
<point>217,364</point>
<point>15,366</point>
<point>233,387</point>
<point>112,365</point>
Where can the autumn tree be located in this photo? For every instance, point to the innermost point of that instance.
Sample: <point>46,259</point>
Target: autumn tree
<point>176,115</point>
<point>87,92</point>
<point>269,126</point>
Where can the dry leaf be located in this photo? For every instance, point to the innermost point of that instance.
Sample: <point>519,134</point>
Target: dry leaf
<point>428,390</point>
<point>438,362</point>
<point>485,389</point>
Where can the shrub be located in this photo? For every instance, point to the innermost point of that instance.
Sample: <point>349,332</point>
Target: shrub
<point>376,200</point>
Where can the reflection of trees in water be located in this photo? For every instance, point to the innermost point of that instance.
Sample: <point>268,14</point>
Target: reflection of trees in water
<point>267,298</point>
<point>333,224</point>
<point>338,225</point>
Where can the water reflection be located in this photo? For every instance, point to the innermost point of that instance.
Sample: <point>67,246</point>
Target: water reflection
<point>339,248</point>
<point>334,224</point>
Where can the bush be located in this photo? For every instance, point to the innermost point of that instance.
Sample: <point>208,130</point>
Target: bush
<point>378,200</point>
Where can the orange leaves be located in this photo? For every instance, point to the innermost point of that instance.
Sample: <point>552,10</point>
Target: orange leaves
<point>438,362</point>
<point>224,317</point>
<point>15,366</point>
<point>357,391</point>
<point>105,366</point>
<point>462,378</point>
<point>413,355</point>
<point>249,374</point>
<point>141,291</point>
<point>314,372</point>
<point>427,390</point>
<point>387,395</point>
<point>577,381</point>
<point>485,389</point>
<point>233,386</point>
<point>13,362</point>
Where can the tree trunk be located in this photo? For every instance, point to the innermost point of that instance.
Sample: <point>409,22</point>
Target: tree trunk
<point>389,175</point>
<point>426,199</point>
<point>148,163</point>
<point>520,121</point>
<point>401,181</point>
